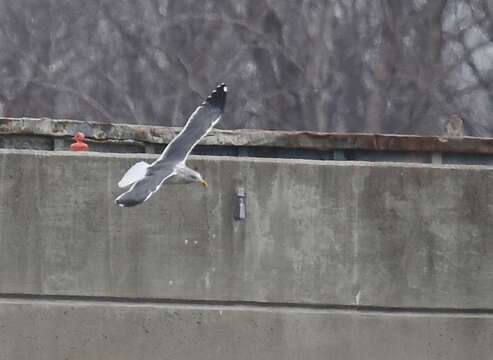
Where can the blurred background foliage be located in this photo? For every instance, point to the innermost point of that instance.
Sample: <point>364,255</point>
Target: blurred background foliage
<point>387,66</point>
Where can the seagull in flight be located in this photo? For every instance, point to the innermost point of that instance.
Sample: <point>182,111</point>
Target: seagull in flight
<point>145,179</point>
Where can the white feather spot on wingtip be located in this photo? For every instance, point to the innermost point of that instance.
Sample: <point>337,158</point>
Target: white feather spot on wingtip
<point>225,88</point>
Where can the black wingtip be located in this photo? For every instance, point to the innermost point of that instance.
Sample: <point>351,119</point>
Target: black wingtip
<point>218,97</point>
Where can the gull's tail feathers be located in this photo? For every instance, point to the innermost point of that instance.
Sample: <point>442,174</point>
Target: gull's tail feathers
<point>134,174</point>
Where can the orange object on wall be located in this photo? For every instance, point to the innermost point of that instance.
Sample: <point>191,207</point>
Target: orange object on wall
<point>79,144</point>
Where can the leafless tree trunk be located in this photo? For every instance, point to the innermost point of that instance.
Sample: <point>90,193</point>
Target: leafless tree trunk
<point>390,66</point>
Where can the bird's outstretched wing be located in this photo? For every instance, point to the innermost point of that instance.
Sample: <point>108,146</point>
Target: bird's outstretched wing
<point>202,120</point>
<point>147,179</point>
<point>142,190</point>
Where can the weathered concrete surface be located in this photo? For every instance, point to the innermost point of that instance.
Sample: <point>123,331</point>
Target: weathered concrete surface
<point>86,331</point>
<point>325,233</point>
<point>301,140</point>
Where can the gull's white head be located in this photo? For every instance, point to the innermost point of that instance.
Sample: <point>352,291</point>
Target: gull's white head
<point>193,176</point>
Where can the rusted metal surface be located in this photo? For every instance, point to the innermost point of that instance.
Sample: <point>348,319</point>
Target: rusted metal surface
<point>137,134</point>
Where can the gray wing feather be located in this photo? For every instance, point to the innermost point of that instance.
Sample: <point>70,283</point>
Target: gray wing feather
<point>202,120</point>
<point>143,189</point>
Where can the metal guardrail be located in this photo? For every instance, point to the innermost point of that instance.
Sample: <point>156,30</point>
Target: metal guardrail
<point>50,134</point>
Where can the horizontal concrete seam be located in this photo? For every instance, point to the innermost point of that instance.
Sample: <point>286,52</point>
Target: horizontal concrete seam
<point>253,160</point>
<point>241,305</point>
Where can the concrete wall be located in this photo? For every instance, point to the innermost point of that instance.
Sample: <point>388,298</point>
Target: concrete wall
<point>335,260</point>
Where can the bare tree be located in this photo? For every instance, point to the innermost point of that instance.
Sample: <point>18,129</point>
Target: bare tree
<point>390,66</point>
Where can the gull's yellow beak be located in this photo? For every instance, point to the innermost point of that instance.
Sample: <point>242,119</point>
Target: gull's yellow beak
<point>203,182</point>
